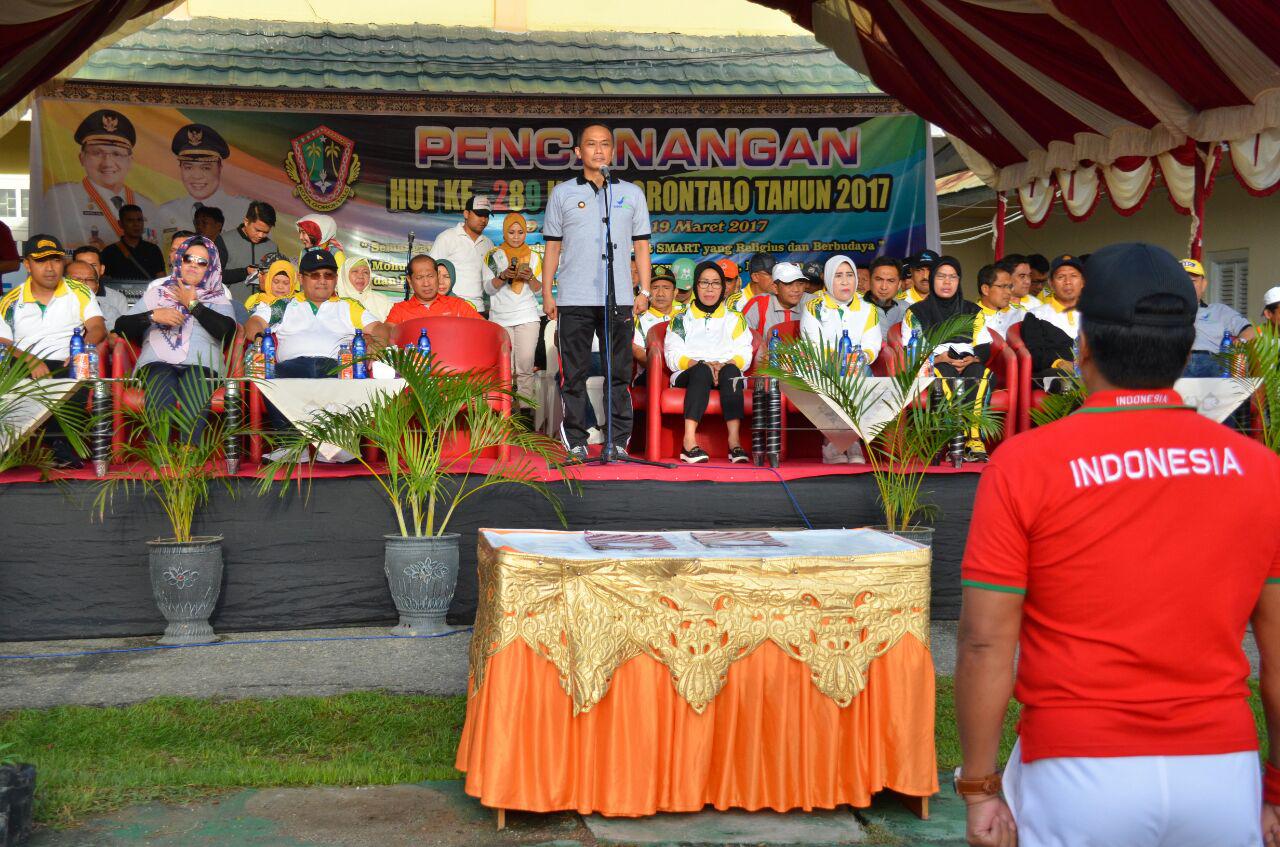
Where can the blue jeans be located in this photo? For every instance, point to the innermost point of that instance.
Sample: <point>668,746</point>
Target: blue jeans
<point>166,384</point>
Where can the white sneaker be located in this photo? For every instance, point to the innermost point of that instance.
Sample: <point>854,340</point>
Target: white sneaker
<point>832,456</point>
<point>595,435</point>
<point>855,454</point>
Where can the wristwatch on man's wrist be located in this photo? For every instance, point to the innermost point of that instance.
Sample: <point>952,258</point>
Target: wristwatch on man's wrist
<point>644,294</point>
<point>975,786</point>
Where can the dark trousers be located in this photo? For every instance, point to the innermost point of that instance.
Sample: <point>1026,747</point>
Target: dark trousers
<point>697,385</point>
<point>167,384</point>
<point>575,328</point>
<point>53,436</point>
<point>300,367</point>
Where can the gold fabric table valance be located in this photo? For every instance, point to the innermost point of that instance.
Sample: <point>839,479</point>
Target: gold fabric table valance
<point>834,600</point>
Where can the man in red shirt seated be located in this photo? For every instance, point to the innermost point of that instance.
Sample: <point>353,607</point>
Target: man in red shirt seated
<point>1121,552</point>
<point>427,301</point>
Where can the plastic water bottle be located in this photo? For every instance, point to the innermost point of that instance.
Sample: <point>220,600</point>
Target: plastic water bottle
<point>93,363</point>
<point>344,359</point>
<point>844,352</point>
<point>424,343</point>
<point>359,367</point>
<point>79,362</point>
<point>913,347</point>
<point>268,356</point>
<point>1228,341</point>
<point>774,341</point>
<point>859,358</point>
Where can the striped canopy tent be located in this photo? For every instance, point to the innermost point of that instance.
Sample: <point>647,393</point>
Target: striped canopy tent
<point>1067,100</point>
<point>44,39</point>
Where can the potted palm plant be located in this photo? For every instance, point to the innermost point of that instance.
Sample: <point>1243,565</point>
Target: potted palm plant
<point>23,402</point>
<point>432,437</point>
<point>176,460</point>
<point>900,448</point>
<point>1261,361</point>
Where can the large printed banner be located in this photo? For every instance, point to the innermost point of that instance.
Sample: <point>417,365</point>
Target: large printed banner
<point>797,187</point>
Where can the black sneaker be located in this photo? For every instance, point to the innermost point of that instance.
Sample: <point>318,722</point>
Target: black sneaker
<point>576,455</point>
<point>619,453</point>
<point>737,455</point>
<point>693,456</point>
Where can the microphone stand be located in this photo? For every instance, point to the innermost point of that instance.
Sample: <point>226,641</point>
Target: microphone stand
<point>606,456</point>
<point>408,257</point>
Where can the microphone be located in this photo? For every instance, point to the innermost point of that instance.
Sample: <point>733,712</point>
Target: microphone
<point>604,170</point>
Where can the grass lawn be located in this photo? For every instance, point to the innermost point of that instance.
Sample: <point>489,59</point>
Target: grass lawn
<point>92,760</point>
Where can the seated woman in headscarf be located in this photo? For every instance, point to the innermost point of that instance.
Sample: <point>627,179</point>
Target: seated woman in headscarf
<point>182,323</point>
<point>320,231</point>
<point>708,346</point>
<point>355,282</point>
<point>280,281</point>
<point>828,316</point>
<point>957,356</point>
<point>445,274</point>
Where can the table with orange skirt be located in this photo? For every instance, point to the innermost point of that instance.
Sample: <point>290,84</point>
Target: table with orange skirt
<point>630,682</point>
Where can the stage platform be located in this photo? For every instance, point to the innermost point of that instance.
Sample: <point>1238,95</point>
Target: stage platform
<point>313,558</point>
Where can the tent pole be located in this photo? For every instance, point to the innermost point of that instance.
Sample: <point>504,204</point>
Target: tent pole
<point>999,225</point>
<point>1196,247</point>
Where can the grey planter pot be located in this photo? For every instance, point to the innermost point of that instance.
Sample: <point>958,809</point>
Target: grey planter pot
<point>422,574</point>
<point>17,803</point>
<point>922,535</point>
<point>186,578</point>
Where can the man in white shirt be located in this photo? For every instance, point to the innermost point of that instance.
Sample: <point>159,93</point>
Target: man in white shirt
<point>466,246</point>
<point>87,211</point>
<point>311,326</point>
<point>200,151</point>
<point>995,290</point>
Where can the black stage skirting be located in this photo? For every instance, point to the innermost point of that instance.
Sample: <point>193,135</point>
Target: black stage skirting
<point>316,560</point>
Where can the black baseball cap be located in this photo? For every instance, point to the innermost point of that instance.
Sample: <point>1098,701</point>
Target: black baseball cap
<point>923,259</point>
<point>813,272</point>
<point>1119,275</point>
<point>42,247</point>
<point>663,272</point>
<point>317,259</point>
<point>760,262</point>
<point>1066,260</point>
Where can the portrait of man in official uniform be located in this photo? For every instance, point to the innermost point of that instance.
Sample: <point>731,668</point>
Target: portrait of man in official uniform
<point>200,151</point>
<point>87,211</point>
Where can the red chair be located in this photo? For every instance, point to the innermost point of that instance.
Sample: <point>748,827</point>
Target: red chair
<point>667,402</point>
<point>123,360</point>
<point>1028,398</point>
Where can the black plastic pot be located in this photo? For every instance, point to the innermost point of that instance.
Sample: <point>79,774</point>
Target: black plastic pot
<point>17,803</point>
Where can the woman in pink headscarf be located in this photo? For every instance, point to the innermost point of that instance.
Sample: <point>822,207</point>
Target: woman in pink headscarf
<point>181,322</point>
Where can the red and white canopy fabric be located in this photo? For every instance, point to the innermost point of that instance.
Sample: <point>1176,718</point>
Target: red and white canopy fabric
<point>1066,99</point>
<point>42,39</point>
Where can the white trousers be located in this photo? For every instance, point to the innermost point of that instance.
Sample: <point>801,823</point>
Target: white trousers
<point>1136,801</point>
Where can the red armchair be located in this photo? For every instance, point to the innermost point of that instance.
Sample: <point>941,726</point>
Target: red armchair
<point>124,358</point>
<point>1028,397</point>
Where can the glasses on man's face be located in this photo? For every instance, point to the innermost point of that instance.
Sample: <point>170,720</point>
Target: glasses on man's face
<point>84,280</point>
<point>198,261</point>
<point>1008,286</point>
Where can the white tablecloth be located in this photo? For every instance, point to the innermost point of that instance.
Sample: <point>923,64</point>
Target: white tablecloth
<point>884,404</point>
<point>299,400</point>
<point>32,408</point>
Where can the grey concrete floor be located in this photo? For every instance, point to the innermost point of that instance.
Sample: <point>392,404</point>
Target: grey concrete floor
<point>270,664</point>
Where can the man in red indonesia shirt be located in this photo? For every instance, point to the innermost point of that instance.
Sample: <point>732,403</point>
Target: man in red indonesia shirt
<point>1122,551</point>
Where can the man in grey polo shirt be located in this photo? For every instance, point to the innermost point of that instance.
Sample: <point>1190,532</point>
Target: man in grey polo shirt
<point>1212,322</point>
<point>574,231</point>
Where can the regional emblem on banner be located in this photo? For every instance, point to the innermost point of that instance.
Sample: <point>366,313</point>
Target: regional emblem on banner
<point>323,166</point>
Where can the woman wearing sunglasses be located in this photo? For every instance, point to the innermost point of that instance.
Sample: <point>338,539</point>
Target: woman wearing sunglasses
<point>181,323</point>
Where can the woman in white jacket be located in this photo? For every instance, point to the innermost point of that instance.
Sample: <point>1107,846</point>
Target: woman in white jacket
<point>708,346</point>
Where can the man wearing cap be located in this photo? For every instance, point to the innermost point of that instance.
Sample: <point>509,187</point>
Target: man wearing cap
<point>1050,330</point>
<point>1271,306</point>
<point>1088,560</point>
<point>918,269</point>
<point>734,297</point>
<point>466,245</point>
<point>575,259</point>
<point>133,257</point>
<point>1213,321</point>
<point>886,278</point>
<point>765,311</point>
<point>760,275</point>
<point>662,308</point>
<point>38,319</point>
<point>88,210</point>
<point>683,269</point>
<point>813,281</point>
<point>200,152</point>
<point>312,325</point>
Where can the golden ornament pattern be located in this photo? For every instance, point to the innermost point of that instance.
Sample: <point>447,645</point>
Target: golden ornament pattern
<point>697,616</point>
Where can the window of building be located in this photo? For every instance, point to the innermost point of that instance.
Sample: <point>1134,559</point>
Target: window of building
<point>8,202</point>
<point>26,203</point>
<point>1229,279</point>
